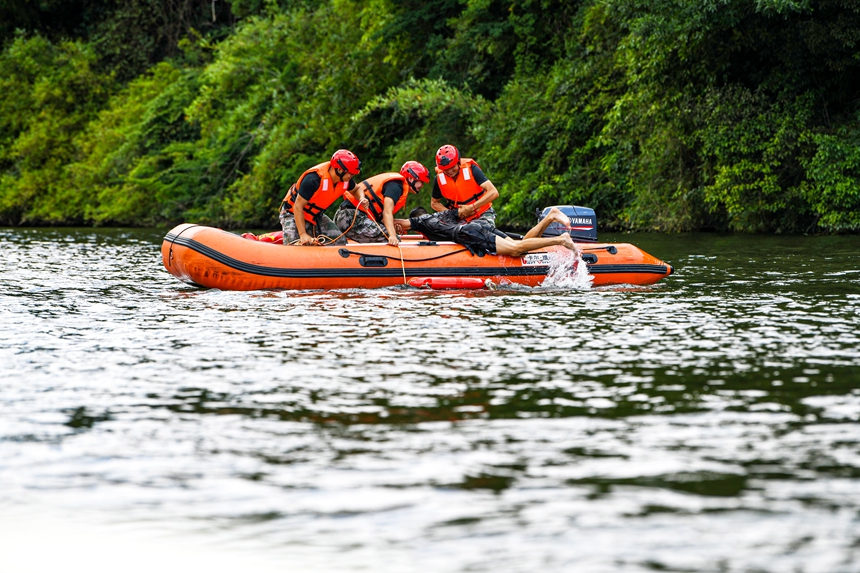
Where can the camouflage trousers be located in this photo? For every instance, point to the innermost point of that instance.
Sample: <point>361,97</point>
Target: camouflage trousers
<point>323,227</point>
<point>365,230</point>
<point>489,216</point>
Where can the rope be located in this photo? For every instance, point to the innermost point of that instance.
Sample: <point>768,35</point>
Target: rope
<point>384,234</point>
<point>402,264</point>
<point>407,260</point>
<point>321,240</point>
<point>173,242</point>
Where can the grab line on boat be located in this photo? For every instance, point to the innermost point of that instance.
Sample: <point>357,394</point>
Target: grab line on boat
<point>611,249</point>
<point>173,242</point>
<point>345,253</point>
<point>288,272</point>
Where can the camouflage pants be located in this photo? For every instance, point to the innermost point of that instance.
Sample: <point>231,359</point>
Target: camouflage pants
<point>323,227</point>
<point>365,230</point>
<point>490,216</point>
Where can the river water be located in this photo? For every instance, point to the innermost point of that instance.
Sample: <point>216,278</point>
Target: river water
<point>710,422</point>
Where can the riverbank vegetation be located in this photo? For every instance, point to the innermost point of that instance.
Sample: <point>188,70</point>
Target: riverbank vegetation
<point>667,115</point>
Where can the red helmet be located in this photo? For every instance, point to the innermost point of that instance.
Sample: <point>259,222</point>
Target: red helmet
<point>346,160</point>
<point>447,156</point>
<point>416,171</point>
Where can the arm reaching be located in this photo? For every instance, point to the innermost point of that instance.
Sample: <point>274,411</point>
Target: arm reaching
<point>388,221</point>
<point>299,215</point>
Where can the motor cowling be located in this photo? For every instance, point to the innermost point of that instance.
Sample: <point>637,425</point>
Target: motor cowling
<point>583,223</point>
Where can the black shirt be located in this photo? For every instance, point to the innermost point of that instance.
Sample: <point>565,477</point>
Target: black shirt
<point>311,183</point>
<point>393,189</point>
<point>478,236</point>
<point>477,175</point>
<point>441,226</point>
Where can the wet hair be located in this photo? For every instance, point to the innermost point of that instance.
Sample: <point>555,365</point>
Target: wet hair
<point>417,212</point>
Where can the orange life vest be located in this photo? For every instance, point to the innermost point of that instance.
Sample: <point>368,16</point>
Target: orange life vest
<point>326,194</point>
<point>373,193</point>
<point>463,190</point>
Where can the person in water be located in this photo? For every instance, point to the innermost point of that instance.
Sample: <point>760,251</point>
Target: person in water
<point>302,212</point>
<point>481,237</point>
<point>461,184</point>
<point>386,194</point>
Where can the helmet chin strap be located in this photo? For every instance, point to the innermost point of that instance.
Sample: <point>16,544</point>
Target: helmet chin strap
<point>340,173</point>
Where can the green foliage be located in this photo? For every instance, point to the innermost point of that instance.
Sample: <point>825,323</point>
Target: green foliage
<point>477,45</point>
<point>128,36</point>
<point>133,35</point>
<point>752,148</point>
<point>50,94</point>
<point>414,119</point>
<point>135,155</point>
<point>832,184</point>
<point>660,114</point>
<point>410,122</point>
<point>281,92</point>
<point>222,144</point>
<point>676,115</point>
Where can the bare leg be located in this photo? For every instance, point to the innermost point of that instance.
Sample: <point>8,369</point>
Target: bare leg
<point>554,216</point>
<point>519,248</point>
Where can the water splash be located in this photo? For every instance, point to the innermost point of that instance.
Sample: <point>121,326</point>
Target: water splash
<point>567,270</point>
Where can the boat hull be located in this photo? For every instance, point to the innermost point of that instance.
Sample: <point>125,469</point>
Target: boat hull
<point>214,258</point>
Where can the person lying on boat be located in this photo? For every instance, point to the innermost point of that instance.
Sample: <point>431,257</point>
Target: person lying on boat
<point>386,194</point>
<point>460,184</point>
<point>302,212</point>
<point>481,237</point>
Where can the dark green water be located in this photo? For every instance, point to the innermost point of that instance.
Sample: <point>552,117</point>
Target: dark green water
<point>707,423</point>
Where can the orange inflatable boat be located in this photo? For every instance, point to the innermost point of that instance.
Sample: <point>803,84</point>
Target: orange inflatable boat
<point>213,258</point>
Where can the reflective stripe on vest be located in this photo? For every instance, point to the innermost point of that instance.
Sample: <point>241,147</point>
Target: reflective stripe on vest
<point>463,190</point>
<point>326,194</point>
<point>375,199</point>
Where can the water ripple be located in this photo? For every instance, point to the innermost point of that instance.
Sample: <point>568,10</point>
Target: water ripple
<point>706,423</point>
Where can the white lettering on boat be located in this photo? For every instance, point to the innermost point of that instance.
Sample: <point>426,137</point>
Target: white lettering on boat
<point>536,259</point>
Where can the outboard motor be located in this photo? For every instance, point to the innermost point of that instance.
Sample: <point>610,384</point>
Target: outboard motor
<point>583,223</point>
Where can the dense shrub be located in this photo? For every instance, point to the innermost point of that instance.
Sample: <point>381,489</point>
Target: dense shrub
<point>50,94</point>
<point>661,114</point>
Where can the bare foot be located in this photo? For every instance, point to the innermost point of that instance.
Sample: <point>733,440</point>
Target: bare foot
<point>566,241</point>
<point>556,216</point>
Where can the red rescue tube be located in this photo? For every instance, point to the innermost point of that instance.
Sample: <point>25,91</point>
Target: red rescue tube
<point>438,283</point>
